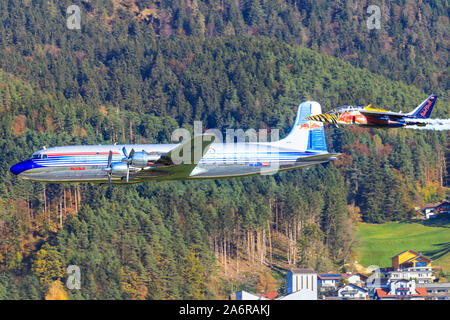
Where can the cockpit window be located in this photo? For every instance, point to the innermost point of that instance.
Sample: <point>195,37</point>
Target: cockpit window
<point>36,156</point>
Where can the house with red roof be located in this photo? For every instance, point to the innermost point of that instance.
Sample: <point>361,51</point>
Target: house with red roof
<point>432,210</point>
<point>401,289</point>
<point>244,295</point>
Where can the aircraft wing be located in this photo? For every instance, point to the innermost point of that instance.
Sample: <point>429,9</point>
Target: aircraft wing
<point>319,157</point>
<point>379,114</point>
<point>180,161</point>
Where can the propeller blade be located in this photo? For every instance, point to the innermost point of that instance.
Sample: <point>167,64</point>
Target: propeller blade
<point>109,179</point>
<point>128,172</point>
<point>109,158</point>
<point>131,154</point>
<point>124,150</point>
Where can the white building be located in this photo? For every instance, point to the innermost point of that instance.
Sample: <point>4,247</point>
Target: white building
<point>244,295</point>
<point>303,294</point>
<point>301,284</point>
<point>438,290</point>
<point>401,289</point>
<point>429,211</point>
<point>352,291</point>
<point>353,278</point>
<point>420,274</point>
<point>432,210</point>
<point>328,280</point>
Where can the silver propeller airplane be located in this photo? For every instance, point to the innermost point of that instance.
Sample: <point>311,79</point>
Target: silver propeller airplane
<point>197,158</point>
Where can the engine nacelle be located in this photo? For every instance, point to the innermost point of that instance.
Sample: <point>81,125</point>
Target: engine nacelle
<point>142,159</point>
<point>118,169</point>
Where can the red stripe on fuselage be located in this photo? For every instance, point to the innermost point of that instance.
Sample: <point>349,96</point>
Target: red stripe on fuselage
<point>80,154</point>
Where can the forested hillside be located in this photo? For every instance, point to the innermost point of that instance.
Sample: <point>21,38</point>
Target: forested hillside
<point>139,69</point>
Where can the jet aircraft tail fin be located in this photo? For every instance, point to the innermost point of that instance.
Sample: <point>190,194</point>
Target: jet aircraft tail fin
<point>306,135</point>
<point>424,109</point>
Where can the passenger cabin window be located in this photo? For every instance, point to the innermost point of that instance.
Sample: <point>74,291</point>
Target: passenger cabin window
<point>44,156</point>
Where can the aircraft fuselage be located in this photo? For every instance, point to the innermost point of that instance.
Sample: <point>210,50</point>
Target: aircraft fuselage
<point>222,160</point>
<point>358,119</point>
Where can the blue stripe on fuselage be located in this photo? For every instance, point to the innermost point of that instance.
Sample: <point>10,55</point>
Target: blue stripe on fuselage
<point>77,160</point>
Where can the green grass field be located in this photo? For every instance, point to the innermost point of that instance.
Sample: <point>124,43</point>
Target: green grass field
<point>378,243</point>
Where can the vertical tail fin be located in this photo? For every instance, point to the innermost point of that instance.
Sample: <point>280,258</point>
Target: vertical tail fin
<point>306,135</point>
<point>424,109</point>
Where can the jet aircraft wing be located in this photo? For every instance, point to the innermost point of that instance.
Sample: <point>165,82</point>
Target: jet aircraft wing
<point>377,114</point>
<point>371,112</point>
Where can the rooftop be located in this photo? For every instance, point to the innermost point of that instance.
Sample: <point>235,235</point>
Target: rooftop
<point>417,254</point>
<point>269,295</point>
<point>435,285</point>
<point>356,287</point>
<point>302,271</point>
<point>383,293</point>
<point>432,205</point>
<point>329,276</point>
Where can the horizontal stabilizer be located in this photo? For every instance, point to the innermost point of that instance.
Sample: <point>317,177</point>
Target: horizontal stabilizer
<point>320,157</point>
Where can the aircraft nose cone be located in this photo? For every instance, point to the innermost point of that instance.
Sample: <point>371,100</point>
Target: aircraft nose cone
<point>20,167</point>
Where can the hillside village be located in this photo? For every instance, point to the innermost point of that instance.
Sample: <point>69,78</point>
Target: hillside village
<point>411,276</point>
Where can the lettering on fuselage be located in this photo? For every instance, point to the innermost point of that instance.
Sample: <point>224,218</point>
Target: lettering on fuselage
<point>258,164</point>
<point>77,168</point>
